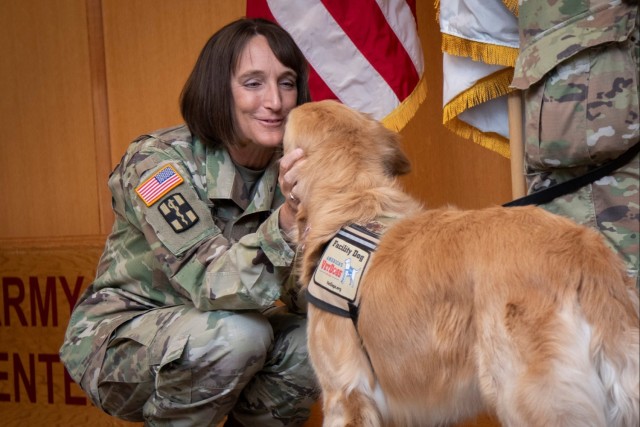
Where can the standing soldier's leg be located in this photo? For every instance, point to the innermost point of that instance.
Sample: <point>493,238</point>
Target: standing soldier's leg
<point>584,113</point>
<point>610,205</point>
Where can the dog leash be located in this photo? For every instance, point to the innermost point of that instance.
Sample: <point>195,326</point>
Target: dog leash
<point>572,185</point>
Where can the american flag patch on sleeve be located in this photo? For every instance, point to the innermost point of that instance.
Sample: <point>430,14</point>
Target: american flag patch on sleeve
<point>159,184</point>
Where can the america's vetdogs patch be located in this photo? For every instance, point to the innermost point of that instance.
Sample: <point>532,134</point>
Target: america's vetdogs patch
<point>343,263</point>
<point>335,285</point>
<point>178,213</point>
<point>157,185</point>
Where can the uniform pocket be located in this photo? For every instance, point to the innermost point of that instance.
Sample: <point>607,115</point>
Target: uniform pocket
<point>562,120</point>
<point>127,356</point>
<point>585,111</point>
<point>125,381</point>
<point>173,380</point>
<point>612,109</point>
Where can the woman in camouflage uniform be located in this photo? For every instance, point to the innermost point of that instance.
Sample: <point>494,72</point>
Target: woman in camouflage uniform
<point>179,326</point>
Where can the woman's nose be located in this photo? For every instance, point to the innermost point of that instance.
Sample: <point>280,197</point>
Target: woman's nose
<point>272,98</point>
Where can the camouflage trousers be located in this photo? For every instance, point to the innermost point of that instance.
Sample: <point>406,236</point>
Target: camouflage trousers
<point>585,112</point>
<point>610,205</point>
<point>178,366</point>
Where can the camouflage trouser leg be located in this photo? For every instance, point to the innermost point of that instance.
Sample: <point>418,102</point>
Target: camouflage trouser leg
<point>178,366</point>
<point>584,113</point>
<point>281,393</point>
<point>610,205</point>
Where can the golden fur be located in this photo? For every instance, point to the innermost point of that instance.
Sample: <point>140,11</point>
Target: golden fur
<point>513,311</point>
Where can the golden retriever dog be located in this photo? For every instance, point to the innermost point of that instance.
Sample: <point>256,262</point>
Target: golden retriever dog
<point>509,311</point>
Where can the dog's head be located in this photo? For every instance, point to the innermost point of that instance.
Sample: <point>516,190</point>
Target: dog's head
<point>343,147</point>
<point>328,130</point>
<point>350,171</point>
<point>346,152</point>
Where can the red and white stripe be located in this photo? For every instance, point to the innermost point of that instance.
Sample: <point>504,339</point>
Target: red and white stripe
<point>365,53</point>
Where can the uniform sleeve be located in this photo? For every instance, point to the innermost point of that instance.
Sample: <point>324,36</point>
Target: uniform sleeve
<point>552,33</point>
<point>191,251</point>
<point>249,274</point>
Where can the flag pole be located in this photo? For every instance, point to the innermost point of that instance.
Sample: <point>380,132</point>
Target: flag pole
<point>516,144</point>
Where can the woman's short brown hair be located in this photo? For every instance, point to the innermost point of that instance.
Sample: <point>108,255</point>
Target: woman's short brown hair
<point>206,101</point>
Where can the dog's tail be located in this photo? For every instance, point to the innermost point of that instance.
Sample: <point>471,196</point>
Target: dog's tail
<point>609,300</point>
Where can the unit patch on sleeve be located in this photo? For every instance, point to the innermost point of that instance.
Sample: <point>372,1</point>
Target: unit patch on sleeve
<point>178,213</point>
<point>159,184</point>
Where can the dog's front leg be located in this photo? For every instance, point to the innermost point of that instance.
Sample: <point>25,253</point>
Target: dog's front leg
<point>343,371</point>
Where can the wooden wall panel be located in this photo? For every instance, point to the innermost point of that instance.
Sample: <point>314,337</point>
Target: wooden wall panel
<point>39,285</point>
<point>47,156</point>
<point>151,47</point>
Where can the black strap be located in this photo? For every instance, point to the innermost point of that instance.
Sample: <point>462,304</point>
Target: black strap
<point>548,194</point>
<point>329,307</point>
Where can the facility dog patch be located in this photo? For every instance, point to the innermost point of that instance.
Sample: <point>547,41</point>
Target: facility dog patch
<point>335,282</point>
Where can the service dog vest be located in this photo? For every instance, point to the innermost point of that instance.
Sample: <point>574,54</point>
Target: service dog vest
<point>334,286</point>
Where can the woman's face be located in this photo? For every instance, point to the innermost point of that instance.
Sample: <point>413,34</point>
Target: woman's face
<point>264,91</point>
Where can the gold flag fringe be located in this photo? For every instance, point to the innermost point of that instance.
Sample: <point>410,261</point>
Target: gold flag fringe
<point>404,112</point>
<point>487,88</point>
<point>512,5</point>
<point>490,87</point>
<point>478,51</point>
<point>489,140</point>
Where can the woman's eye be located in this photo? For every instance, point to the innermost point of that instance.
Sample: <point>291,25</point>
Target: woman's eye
<point>288,84</point>
<point>252,84</point>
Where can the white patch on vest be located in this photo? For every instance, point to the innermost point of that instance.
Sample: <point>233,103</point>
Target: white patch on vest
<point>340,268</point>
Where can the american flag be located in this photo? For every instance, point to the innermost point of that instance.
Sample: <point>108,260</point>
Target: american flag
<point>159,184</point>
<point>364,53</point>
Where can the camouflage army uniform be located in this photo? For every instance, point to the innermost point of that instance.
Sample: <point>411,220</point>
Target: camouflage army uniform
<point>578,67</point>
<point>177,326</point>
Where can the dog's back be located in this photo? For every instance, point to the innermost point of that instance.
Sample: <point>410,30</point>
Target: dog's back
<point>516,308</point>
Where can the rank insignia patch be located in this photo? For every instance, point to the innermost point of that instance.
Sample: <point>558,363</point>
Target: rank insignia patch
<point>178,213</point>
<point>159,184</point>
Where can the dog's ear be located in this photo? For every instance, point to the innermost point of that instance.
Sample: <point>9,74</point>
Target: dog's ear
<point>395,161</point>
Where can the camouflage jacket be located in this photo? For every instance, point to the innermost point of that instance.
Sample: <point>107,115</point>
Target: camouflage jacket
<point>185,232</point>
<point>553,31</point>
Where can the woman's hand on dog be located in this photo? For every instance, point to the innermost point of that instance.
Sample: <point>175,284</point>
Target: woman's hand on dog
<point>288,177</point>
